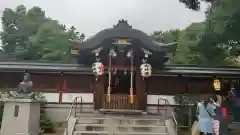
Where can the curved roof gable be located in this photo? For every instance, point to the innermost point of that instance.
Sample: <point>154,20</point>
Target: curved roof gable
<point>122,30</point>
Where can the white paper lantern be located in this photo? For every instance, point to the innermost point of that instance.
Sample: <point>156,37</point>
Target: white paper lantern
<point>146,70</point>
<point>98,68</point>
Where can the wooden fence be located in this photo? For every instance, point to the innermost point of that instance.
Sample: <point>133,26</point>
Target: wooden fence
<point>119,101</point>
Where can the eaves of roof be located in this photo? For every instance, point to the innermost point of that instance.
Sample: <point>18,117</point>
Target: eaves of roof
<point>20,66</point>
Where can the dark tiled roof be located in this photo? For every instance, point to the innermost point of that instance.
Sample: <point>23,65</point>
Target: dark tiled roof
<point>191,69</point>
<point>21,66</point>
<point>123,30</point>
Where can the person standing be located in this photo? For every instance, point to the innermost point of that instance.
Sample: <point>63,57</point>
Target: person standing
<point>218,115</point>
<point>223,127</point>
<point>205,112</point>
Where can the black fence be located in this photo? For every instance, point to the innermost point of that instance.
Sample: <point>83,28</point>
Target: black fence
<point>185,115</point>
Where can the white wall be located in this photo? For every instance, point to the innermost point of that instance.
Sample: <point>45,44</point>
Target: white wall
<point>68,97</point>
<point>89,98</point>
<point>51,97</point>
<point>153,99</point>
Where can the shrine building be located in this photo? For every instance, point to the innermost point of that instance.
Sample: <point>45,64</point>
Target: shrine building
<point>118,68</point>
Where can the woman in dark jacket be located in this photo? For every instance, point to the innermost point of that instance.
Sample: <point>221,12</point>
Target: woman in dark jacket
<point>223,128</point>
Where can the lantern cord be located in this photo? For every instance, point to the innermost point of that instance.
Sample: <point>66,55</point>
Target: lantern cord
<point>131,87</point>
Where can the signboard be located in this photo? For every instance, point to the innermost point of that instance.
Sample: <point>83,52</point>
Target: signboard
<point>122,42</point>
<point>75,52</point>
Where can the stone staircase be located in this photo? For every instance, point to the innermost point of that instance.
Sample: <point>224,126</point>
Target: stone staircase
<point>116,124</point>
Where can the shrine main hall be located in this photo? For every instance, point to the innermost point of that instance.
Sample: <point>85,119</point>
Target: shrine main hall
<point>118,68</point>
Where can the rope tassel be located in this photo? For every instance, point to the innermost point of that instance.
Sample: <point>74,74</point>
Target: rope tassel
<point>109,95</point>
<point>131,96</point>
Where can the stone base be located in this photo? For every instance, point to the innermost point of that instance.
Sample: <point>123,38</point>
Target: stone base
<point>21,117</point>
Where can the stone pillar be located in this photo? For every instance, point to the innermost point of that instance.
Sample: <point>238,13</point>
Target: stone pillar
<point>21,117</point>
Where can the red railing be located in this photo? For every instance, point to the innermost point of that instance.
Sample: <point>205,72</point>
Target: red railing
<point>119,101</point>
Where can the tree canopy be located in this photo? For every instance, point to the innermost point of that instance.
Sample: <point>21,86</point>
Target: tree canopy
<point>221,35</point>
<point>195,4</point>
<point>30,35</point>
<point>213,42</point>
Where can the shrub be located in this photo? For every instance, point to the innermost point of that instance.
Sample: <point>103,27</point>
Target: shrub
<point>47,126</point>
<point>45,123</point>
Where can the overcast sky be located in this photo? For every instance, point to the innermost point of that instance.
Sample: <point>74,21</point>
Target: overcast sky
<point>91,16</point>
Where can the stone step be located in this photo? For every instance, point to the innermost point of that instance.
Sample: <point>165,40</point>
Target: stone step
<point>121,111</point>
<point>97,120</point>
<point>122,118</point>
<point>151,128</point>
<point>90,133</point>
<point>115,133</point>
<point>90,120</point>
<point>140,126</point>
<point>103,127</point>
<point>138,133</point>
<point>90,127</point>
<point>98,113</point>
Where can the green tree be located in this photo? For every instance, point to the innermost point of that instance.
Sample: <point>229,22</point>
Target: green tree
<point>30,35</point>
<point>3,56</point>
<point>195,4</point>
<point>187,51</point>
<point>9,29</point>
<point>49,43</point>
<point>18,26</point>
<point>220,41</point>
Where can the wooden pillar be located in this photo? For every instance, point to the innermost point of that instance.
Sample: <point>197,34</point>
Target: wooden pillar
<point>60,87</point>
<point>141,91</point>
<point>98,88</point>
<point>63,87</point>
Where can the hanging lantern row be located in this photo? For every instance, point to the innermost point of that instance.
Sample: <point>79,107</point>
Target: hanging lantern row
<point>98,67</point>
